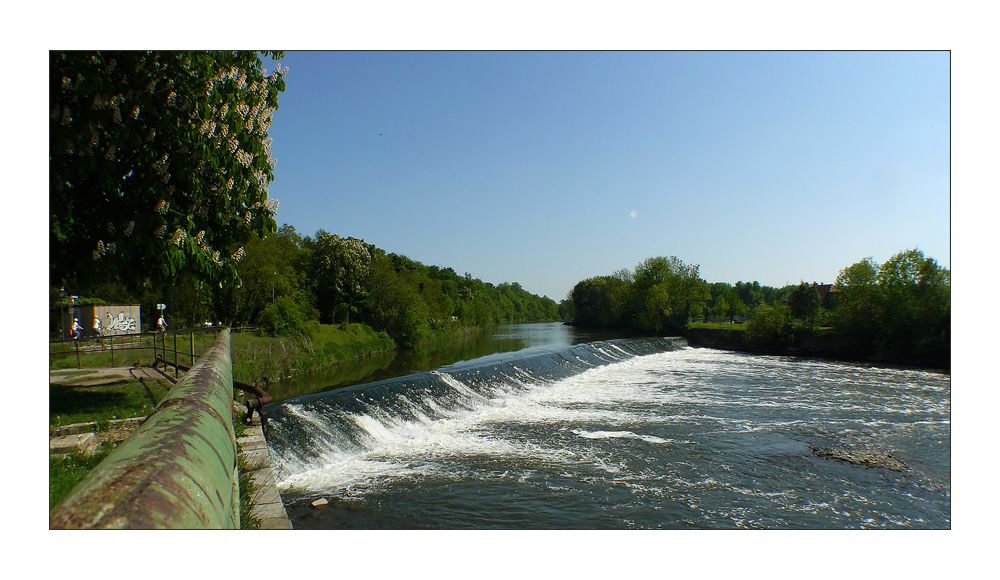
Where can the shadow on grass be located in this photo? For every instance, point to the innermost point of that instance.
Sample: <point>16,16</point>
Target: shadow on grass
<point>129,398</point>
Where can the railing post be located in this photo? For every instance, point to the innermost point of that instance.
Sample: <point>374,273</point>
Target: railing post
<point>192,348</point>
<point>176,372</point>
<point>77,344</point>
<point>112,340</point>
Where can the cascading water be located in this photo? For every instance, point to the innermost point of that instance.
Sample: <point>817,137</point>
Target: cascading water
<point>625,433</point>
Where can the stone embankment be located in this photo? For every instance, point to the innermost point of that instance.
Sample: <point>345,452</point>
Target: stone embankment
<point>268,509</point>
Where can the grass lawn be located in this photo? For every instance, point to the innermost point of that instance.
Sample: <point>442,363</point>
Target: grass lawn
<point>70,403</point>
<point>65,471</point>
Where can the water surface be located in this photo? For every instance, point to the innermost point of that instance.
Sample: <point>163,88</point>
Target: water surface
<point>617,434</point>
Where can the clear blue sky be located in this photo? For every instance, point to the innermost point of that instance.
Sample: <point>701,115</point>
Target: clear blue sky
<point>546,168</point>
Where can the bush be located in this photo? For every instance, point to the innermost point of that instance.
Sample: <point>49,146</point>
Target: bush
<point>283,318</point>
<point>767,325</point>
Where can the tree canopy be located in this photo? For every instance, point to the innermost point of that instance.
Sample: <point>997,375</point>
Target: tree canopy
<point>159,162</point>
<point>660,294</point>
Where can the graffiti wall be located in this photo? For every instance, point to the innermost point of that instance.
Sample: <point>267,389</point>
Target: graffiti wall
<point>114,320</point>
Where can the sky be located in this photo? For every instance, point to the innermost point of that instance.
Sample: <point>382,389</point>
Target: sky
<point>546,168</point>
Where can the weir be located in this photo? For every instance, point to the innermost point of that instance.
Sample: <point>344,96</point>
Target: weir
<point>178,470</point>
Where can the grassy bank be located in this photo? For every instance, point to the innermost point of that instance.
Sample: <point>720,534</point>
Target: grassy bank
<point>258,357</point>
<point>255,357</point>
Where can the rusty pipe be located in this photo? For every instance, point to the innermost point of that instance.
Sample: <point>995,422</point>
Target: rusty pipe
<point>256,404</point>
<point>178,470</point>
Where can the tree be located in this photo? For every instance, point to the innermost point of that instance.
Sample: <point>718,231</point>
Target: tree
<point>916,313</point>
<point>338,268</point>
<point>767,325</point>
<point>159,162</point>
<point>667,292</point>
<point>859,305</point>
<point>804,302</point>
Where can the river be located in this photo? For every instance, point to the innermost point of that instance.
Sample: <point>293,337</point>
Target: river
<point>576,431</point>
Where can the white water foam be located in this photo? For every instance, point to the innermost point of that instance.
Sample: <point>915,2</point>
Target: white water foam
<point>620,435</point>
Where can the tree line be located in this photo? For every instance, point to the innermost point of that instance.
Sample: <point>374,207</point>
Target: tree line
<point>287,282</point>
<point>900,309</point>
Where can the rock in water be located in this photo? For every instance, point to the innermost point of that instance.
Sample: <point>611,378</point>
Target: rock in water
<point>321,502</point>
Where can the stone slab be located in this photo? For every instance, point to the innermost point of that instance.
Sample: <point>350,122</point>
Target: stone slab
<point>85,443</point>
<point>275,524</point>
<point>265,476</point>
<point>270,510</point>
<point>267,494</point>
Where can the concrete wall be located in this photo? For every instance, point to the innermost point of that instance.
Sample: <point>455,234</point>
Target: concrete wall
<point>116,319</point>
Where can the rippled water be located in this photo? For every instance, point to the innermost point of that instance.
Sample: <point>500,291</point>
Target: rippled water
<point>631,433</point>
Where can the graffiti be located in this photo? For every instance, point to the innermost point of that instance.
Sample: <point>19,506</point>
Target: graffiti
<point>121,323</point>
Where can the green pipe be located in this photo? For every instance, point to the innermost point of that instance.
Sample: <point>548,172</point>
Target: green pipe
<point>178,470</point>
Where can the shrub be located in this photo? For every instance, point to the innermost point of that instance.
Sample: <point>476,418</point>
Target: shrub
<point>283,318</point>
<point>767,325</point>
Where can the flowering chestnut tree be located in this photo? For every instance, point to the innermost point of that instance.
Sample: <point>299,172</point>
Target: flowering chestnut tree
<point>159,162</point>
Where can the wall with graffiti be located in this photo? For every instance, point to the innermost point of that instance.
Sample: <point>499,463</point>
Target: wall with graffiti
<point>112,320</point>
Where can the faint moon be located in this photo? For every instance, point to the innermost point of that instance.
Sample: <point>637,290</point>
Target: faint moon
<point>633,213</point>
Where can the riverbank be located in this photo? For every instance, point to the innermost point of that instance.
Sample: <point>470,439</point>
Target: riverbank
<point>275,361</point>
<point>823,345</point>
<point>265,359</point>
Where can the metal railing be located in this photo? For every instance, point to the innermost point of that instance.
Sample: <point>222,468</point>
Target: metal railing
<point>158,343</point>
<point>178,469</point>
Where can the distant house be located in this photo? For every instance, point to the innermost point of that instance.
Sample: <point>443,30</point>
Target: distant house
<point>823,289</point>
<point>827,293</point>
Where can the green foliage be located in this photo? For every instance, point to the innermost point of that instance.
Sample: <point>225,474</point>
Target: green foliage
<point>275,265</point>
<point>248,489</point>
<point>805,302</point>
<point>65,471</point>
<point>767,326</point>
<point>900,309</point>
<point>337,270</point>
<point>159,162</point>
<point>660,295</point>
<point>260,358</point>
<point>282,318</point>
